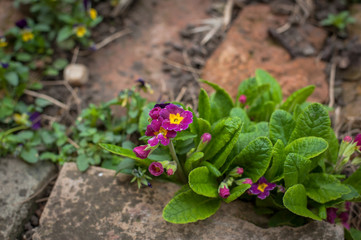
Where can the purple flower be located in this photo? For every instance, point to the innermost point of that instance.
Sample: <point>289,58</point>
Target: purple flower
<point>344,216</point>
<point>262,188</point>
<point>223,190</point>
<point>154,113</point>
<point>161,105</point>
<point>141,152</point>
<point>35,119</point>
<point>242,99</point>
<point>331,214</point>
<point>156,168</point>
<point>86,4</point>
<point>158,133</point>
<point>206,137</point>
<point>175,118</point>
<point>22,23</point>
<point>141,82</point>
<point>347,139</point>
<point>4,65</point>
<point>358,140</point>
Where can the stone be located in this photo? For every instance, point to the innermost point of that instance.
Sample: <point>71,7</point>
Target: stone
<point>97,205</point>
<point>19,180</point>
<point>76,74</point>
<point>248,46</point>
<point>355,28</point>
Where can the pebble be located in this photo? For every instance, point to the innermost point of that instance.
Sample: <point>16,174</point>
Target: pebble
<point>76,74</point>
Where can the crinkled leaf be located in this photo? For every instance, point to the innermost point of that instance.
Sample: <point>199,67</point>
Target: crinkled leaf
<point>333,146</point>
<point>275,172</point>
<point>204,106</point>
<point>192,160</point>
<point>203,182</point>
<point>323,187</point>
<point>236,192</point>
<point>275,91</point>
<point>308,147</point>
<point>298,97</point>
<point>295,200</point>
<point>281,126</point>
<point>124,152</point>
<point>240,113</point>
<point>314,121</point>
<point>296,169</point>
<point>184,135</point>
<point>355,180</point>
<point>189,207</point>
<point>255,158</point>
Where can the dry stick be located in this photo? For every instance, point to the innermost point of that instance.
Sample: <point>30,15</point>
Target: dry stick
<point>177,65</point>
<point>75,55</point>
<point>228,13</point>
<point>46,97</point>
<point>188,63</point>
<point>181,94</point>
<point>73,143</point>
<point>111,38</point>
<point>42,200</point>
<point>74,94</point>
<point>332,85</point>
<point>40,190</point>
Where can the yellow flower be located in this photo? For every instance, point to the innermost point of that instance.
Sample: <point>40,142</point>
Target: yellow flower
<point>27,35</point>
<point>21,119</point>
<point>93,13</point>
<point>80,31</point>
<point>3,42</point>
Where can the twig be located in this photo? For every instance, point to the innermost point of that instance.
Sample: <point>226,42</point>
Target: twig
<point>111,38</point>
<point>40,190</point>
<point>46,97</point>
<point>75,55</point>
<point>73,143</point>
<point>42,200</point>
<point>177,65</point>
<point>188,63</point>
<point>75,96</point>
<point>181,94</point>
<point>332,85</point>
<point>228,13</point>
<point>283,28</point>
<point>51,83</point>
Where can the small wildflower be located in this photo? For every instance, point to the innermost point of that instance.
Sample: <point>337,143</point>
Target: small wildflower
<point>27,35</point>
<point>347,139</point>
<point>262,188</point>
<point>35,119</point>
<point>21,119</point>
<point>206,137</point>
<point>141,152</point>
<point>4,65</point>
<point>21,23</point>
<point>93,13</point>
<point>149,185</point>
<point>344,216</point>
<point>160,134</point>
<point>80,31</point>
<point>3,42</point>
<point>175,118</point>
<point>156,169</point>
<point>331,214</point>
<point>242,99</point>
<point>144,86</point>
<point>223,190</point>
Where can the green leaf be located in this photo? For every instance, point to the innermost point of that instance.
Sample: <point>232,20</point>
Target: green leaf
<point>64,34</point>
<point>189,207</point>
<point>190,162</point>
<point>281,218</point>
<point>125,165</point>
<point>203,126</point>
<point>236,192</point>
<point>275,172</point>
<point>184,135</point>
<point>212,169</point>
<point>296,169</point>
<point>30,155</point>
<point>60,63</point>
<point>275,91</point>
<point>124,152</point>
<point>255,158</point>
<point>308,147</point>
<point>203,182</point>
<point>23,57</point>
<point>204,106</point>
<point>314,121</point>
<point>281,126</point>
<point>323,187</point>
<point>221,103</point>
<point>295,200</point>
<point>12,78</point>
<point>82,162</point>
<point>240,113</point>
<point>333,146</point>
<point>298,97</point>
<point>355,180</point>
<point>355,234</point>
<point>144,116</point>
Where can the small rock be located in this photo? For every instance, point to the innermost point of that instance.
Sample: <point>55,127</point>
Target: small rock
<point>76,74</point>
<point>34,221</point>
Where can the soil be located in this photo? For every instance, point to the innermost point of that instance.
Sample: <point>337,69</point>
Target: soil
<point>184,56</point>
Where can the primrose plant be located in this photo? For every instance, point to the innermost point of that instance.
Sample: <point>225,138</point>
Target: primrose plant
<point>282,156</point>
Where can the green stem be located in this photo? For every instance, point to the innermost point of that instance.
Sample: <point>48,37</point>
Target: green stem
<point>179,166</point>
<point>13,130</point>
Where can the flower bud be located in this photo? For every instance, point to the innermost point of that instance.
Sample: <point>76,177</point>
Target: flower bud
<point>142,151</point>
<point>223,190</point>
<point>156,169</point>
<point>236,172</point>
<point>242,99</point>
<point>206,137</point>
<point>348,139</point>
<point>247,181</point>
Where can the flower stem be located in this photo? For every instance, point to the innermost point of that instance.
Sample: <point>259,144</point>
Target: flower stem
<point>179,166</point>
<point>10,131</point>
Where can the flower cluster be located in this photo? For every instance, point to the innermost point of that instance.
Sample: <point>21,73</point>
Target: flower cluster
<point>333,214</point>
<point>262,188</point>
<point>233,175</point>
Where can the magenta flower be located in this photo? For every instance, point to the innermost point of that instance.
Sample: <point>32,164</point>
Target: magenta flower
<point>344,216</point>
<point>223,190</point>
<point>331,214</point>
<point>160,135</point>
<point>206,137</point>
<point>141,152</point>
<point>170,172</point>
<point>262,188</point>
<point>156,168</point>
<point>242,99</point>
<point>347,139</point>
<point>154,113</point>
<point>358,140</point>
<point>175,118</point>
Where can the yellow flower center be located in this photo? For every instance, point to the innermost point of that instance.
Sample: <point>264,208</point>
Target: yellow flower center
<point>80,31</point>
<point>3,43</point>
<point>175,118</point>
<point>262,187</point>
<point>27,36</point>
<point>162,131</point>
<point>93,13</point>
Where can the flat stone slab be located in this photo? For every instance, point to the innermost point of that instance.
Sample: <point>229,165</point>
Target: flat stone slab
<point>97,205</point>
<point>18,181</point>
<point>248,46</point>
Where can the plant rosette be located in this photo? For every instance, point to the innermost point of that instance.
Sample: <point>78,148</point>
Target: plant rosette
<point>281,155</point>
